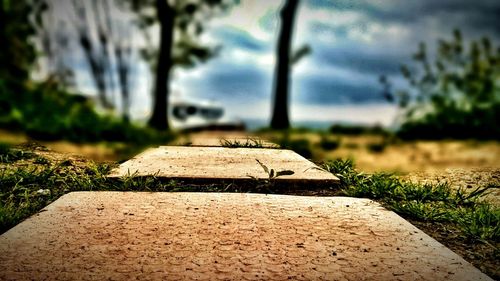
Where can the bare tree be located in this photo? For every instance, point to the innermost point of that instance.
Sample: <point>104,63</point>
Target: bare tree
<point>95,51</point>
<point>119,33</point>
<point>280,118</point>
<point>54,41</point>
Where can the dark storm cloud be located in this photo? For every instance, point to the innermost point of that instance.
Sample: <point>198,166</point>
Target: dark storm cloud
<point>317,90</point>
<point>360,61</point>
<point>355,55</point>
<point>226,81</point>
<point>465,14</point>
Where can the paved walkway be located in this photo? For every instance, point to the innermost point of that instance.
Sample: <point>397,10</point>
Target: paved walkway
<point>217,236</point>
<point>213,164</point>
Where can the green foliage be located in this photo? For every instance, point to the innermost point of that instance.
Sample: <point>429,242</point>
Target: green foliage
<point>482,222</point>
<point>190,19</point>
<point>358,130</point>
<point>273,173</point>
<point>17,52</point>
<point>248,143</point>
<point>427,192</point>
<point>46,112</point>
<point>9,155</point>
<point>377,186</point>
<point>377,147</point>
<point>301,146</point>
<point>429,212</point>
<point>457,95</point>
<point>423,202</point>
<point>329,143</point>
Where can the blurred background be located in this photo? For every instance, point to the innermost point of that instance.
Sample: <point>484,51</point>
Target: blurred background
<point>399,86</point>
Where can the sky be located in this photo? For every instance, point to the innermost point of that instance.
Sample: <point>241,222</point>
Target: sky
<point>353,43</point>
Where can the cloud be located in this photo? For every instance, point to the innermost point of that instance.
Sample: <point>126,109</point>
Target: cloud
<point>248,16</point>
<point>238,38</point>
<point>370,113</point>
<point>315,90</point>
<point>469,15</point>
<point>225,81</point>
<point>363,60</point>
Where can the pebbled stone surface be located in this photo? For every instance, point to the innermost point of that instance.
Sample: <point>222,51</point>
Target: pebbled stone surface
<point>217,236</point>
<point>212,164</point>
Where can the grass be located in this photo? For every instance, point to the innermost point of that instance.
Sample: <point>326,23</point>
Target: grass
<point>476,219</point>
<point>8,155</point>
<point>28,186</point>
<point>248,143</point>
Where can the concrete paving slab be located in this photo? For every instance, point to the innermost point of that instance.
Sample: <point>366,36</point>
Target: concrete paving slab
<point>215,139</point>
<point>209,164</point>
<point>217,236</point>
<point>228,141</point>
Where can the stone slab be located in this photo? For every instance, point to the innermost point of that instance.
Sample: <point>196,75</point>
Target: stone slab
<point>209,138</point>
<point>217,139</point>
<point>222,236</point>
<point>224,142</point>
<point>220,164</point>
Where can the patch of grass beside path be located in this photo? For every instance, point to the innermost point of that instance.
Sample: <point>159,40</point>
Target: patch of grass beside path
<point>29,181</point>
<point>459,219</point>
<point>478,220</point>
<point>32,177</point>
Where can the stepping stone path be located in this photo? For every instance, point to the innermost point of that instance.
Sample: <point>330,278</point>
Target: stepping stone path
<point>215,164</point>
<point>222,236</point>
<point>219,138</point>
<point>218,142</point>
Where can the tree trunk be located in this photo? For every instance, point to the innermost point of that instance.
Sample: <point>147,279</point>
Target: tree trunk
<point>279,118</point>
<point>159,118</point>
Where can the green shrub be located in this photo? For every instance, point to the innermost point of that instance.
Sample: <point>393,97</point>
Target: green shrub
<point>301,146</point>
<point>376,147</point>
<point>454,94</point>
<point>46,112</point>
<point>328,143</point>
<point>358,130</point>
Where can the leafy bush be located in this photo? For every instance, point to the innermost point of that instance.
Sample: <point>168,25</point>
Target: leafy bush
<point>376,147</point>
<point>301,146</point>
<point>328,143</point>
<point>358,130</point>
<point>454,96</point>
<point>46,112</point>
